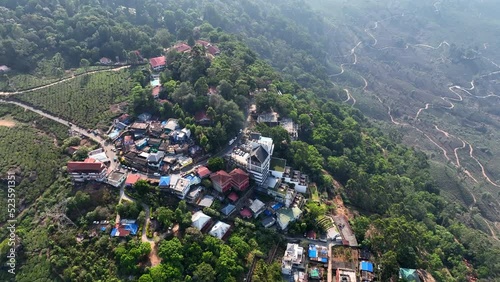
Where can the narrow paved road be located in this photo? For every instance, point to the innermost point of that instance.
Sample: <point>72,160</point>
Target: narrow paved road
<point>107,147</point>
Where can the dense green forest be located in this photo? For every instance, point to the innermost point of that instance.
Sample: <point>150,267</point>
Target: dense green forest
<point>405,222</point>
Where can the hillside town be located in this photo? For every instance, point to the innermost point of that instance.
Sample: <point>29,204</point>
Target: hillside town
<point>253,186</point>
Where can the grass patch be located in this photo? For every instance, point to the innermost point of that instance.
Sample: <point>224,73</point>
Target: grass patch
<point>314,193</point>
<point>278,164</point>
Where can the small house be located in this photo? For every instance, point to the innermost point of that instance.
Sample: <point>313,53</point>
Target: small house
<point>158,63</point>
<point>105,61</point>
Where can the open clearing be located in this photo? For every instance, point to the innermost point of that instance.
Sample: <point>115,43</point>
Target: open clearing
<point>7,122</point>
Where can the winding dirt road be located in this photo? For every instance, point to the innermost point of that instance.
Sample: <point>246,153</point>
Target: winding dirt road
<point>453,88</point>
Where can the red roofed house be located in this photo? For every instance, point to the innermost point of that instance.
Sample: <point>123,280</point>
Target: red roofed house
<point>246,213</point>
<point>125,118</point>
<point>202,118</point>
<point>138,54</point>
<point>239,179</point>
<point>105,61</point>
<point>233,197</point>
<point>156,92</point>
<point>132,179</point>
<point>203,171</point>
<point>221,181</point>
<point>182,47</point>
<point>212,90</point>
<point>72,149</point>
<point>89,169</point>
<point>158,63</point>
<point>213,50</point>
<point>203,43</point>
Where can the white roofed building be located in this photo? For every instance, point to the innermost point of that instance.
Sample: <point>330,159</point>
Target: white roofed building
<point>294,255</point>
<point>219,229</point>
<point>200,220</point>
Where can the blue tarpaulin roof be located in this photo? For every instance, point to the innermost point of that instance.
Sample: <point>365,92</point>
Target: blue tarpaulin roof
<point>132,228</point>
<point>113,232</point>
<point>366,266</point>
<point>268,213</point>
<point>193,180</point>
<point>313,253</point>
<point>277,206</point>
<point>103,228</point>
<point>165,181</point>
<point>324,260</point>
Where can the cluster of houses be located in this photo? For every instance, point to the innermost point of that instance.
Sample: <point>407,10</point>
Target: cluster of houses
<point>158,147</point>
<point>303,265</point>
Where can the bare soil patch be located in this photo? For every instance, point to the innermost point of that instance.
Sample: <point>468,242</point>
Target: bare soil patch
<point>7,122</point>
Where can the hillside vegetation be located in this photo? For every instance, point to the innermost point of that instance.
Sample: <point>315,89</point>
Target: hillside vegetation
<point>403,218</point>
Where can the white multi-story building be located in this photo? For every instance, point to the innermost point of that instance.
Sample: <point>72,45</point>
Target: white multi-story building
<point>294,255</point>
<point>255,157</point>
<point>181,187</point>
<point>259,158</point>
<point>88,170</point>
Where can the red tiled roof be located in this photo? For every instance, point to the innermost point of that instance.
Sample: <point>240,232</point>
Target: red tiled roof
<point>246,213</point>
<point>182,47</point>
<point>203,42</point>
<point>158,61</point>
<point>201,115</point>
<point>89,165</point>
<point>220,176</point>
<point>72,149</point>
<point>203,171</point>
<point>122,232</point>
<point>213,50</point>
<point>311,234</point>
<point>239,176</point>
<point>221,181</point>
<point>132,179</point>
<point>123,117</point>
<point>233,197</point>
<point>156,91</point>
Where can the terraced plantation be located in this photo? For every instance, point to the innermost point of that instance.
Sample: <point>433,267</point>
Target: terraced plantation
<point>88,100</point>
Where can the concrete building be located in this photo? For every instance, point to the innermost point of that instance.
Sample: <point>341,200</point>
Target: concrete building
<point>116,178</point>
<point>255,157</point>
<point>294,255</point>
<point>88,170</point>
<point>181,187</point>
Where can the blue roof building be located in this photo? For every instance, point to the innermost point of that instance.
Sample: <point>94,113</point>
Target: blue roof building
<point>164,181</point>
<point>313,253</point>
<point>366,266</point>
<point>318,253</point>
<point>227,210</point>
